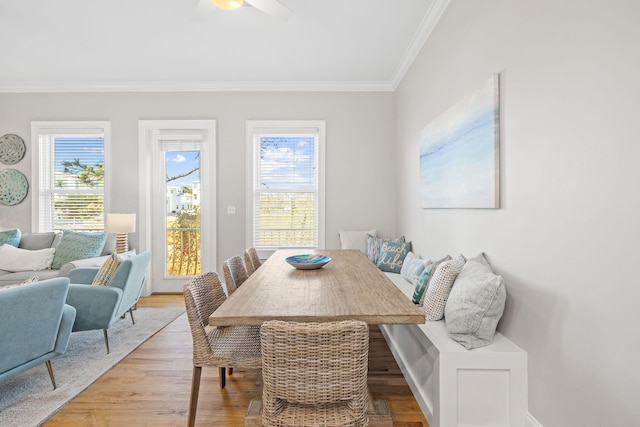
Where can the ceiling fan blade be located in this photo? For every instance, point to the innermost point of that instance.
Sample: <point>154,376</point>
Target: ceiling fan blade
<point>273,8</point>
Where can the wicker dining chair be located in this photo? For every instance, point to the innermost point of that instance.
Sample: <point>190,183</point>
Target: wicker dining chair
<point>232,346</point>
<point>251,260</point>
<point>314,374</point>
<point>235,273</point>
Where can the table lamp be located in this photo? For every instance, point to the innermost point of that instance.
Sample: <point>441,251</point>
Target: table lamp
<point>121,224</point>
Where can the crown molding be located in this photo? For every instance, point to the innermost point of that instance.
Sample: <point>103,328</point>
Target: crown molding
<point>352,86</point>
<point>420,37</point>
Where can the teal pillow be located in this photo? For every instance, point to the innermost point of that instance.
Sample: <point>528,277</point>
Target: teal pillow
<point>10,237</point>
<point>422,283</point>
<point>373,246</point>
<point>76,245</point>
<point>423,280</point>
<point>392,255</point>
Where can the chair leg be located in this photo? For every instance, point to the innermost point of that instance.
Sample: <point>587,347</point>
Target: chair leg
<point>106,339</point>
<point>223,377</point>
<point>50,369</point>
<point>131,313</point>
<point>195,390</point>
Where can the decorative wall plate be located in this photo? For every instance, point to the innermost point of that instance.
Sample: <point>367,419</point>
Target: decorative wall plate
<point>12,149</point>
<point>13,187</point>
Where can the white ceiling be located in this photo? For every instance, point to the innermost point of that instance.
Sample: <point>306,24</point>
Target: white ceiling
<point>171,45</point>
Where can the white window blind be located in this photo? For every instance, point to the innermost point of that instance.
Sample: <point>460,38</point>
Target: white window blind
<point>286,188</point>
<point>71,188</point>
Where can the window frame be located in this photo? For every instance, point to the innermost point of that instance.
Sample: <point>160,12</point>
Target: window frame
<point>293,127</point>
<point>65,127</point>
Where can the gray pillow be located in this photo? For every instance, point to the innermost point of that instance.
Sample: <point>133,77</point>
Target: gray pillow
<point>475,304</point>
<point>35,241</point>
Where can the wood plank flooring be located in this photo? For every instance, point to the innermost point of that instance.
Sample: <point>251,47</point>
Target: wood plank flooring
<point>151,386</point>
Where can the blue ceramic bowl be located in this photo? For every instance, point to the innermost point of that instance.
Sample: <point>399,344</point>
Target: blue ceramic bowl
<point>308,261</point>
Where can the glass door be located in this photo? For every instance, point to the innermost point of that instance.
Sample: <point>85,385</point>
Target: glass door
<point>183,255</point>
<point>180,204</point>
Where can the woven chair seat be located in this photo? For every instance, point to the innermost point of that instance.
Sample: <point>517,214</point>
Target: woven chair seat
<point>328,415</point>
<point>237,346</point>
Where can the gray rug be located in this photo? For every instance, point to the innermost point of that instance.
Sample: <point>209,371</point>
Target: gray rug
<point>29,399</point>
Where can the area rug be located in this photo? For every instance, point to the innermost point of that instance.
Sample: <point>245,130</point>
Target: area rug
<point>29,399</point>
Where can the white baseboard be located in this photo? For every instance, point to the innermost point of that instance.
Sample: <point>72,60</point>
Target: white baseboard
<point>529,421</point>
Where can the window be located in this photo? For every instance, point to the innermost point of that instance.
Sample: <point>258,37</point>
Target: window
<point>69,175</point>
<point>286,205</point>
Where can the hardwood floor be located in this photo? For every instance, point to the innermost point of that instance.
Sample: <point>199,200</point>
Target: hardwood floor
<point>151,386</point>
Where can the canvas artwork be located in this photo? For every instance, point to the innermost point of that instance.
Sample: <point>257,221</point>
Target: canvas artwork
<point>459,153</point>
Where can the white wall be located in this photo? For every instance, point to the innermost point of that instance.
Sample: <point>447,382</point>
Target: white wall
<point>566,238</point>
<point>360,153</point>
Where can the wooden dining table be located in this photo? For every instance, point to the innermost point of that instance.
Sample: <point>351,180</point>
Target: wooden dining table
<point>350,286</point>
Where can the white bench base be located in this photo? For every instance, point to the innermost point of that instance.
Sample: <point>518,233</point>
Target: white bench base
<point>456,387</point>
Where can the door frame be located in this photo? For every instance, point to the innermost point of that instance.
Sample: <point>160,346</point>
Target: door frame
<point>148,132</point>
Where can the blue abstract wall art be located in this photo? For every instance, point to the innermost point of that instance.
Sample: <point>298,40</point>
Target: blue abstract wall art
<point>459,153</point>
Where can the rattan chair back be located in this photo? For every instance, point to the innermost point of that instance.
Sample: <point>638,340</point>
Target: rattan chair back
<point>235,273</point>
<point>314,373</point>
<point>254,259</point>
<point>248,262</point>
<point>202,296</point>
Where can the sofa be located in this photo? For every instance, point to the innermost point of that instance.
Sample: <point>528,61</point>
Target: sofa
<point>36,325</point>
<point>38,241</point>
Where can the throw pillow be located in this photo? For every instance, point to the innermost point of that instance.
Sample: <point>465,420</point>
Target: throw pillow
<point>423,280</point>
<point>107,271</point>
<point>355,239</point>
<point>76,245</point>
<point>439,287</point>
<point>10,237</point>
<point>392,255</point>
<point>32,279</point>
<point>373,246</point>
<point>38,240</point>
<point>16,259</point>
<point>475,304</point>
<point>412,268</point>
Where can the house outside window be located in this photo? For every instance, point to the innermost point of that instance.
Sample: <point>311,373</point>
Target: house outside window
<point>69,175</point>
<point>286,194</point>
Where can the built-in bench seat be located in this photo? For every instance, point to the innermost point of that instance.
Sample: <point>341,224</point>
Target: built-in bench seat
<point>486,386</point>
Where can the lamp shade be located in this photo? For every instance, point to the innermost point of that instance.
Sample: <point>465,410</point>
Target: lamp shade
<point>121,222</point>
<point>228,4</point>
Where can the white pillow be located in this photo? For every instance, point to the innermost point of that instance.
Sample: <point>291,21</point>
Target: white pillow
<point>355,239</point>
<point>16,259</point>
<point>437,293</point>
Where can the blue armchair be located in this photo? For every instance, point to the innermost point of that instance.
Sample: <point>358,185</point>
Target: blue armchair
<point>98,307</point>
<point>36,325</point>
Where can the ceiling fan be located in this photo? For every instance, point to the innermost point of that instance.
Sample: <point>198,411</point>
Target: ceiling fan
<point>270,7</point>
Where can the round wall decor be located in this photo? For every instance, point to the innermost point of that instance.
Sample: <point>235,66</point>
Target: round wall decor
<point>13,187</point>
<point>12,149</point>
